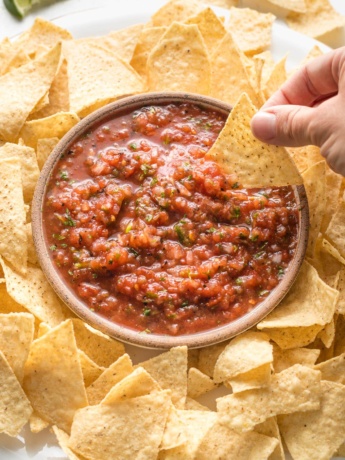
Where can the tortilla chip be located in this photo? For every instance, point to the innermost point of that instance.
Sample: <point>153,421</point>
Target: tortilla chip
<point>42,33</point>
<point>44,149</point>
<point>333,187</point>
<point>28,164</point>
<point>33,292</point>
<point>270,428</point>
<point>173,435</point>
<point>229,73</point>
<point>63,440</point>
<point>210,26</point>
<point>58,96</point>
<point>96,77</point>
<point>123,42</point>
<point>56,125</point>
<point>295,389</point>
<point>313,53</point>
<point>192,404</point>
<point>251,29</point>
<point>333,369</point>
<point>15,408</point>
<point>37,424</point>
<point>176,10</point>
<point>170,371</point>
<point>13,241</point>
<point>340,308</point>
<point>335,229</point>
<point>277,7</point>
<point>11,57</point>
<point>208,357</point>
<point>220,440</point>
<point>258,377</point>
<point>109,378</point>
<point>127,430</point>
<point>53,378</point>
<point>315,185</point>
<point>287,358</point>
<point>17,333</point>
<point>255,164</point>
<point>293,337</point>
<point>245,352</point>
<point>317,433</point>
<point>319,19</point>
<point>193,357</point>
<point>22,88</point>
<point>305,157</point>
<point>7,303</point>
<point>194,426</point>
<point>179,61</point>
<point>91,371</point>
<point>275,79</point>
<point>309,302</point>
<point>198,383</point>
<point>147,40</point>
<point>99,347</point>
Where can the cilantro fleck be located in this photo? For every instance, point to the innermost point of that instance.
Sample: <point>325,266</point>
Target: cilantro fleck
<point>59,237</point>
<point>235,185</point>
<point>281,271</point>
<point>236,212</point>
<point>133,251</point>
<point>133,146</point>
<point>64,175</point>
<point>148,217</point>
<point>147,312</point>
<point>254,237</point>
<point>53,247</point>
<point>185,303</point>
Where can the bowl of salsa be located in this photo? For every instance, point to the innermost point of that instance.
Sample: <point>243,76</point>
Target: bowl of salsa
<point>146,238</point>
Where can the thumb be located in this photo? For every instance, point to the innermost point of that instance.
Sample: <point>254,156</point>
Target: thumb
<point>288,125</point>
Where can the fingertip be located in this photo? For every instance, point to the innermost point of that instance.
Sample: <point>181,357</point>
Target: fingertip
<point>264,126</point>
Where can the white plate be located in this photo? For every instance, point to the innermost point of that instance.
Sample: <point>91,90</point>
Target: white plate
<point>82,19</point>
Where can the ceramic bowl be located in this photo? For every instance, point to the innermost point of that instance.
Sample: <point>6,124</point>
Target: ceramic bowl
<point>123,333</point>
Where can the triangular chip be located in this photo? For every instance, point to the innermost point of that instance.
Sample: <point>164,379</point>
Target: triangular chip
<point>333,369</point>
<point>176,10</point>
<point>22,88</point>
<point>147,40</point>
<point>91,371</point>
<point>210,26</point>
<point>44,149</point>
<point>287,358</point>
<point>179,61</point>
<point>199,383</point>
<point>53,379</point>
<point>255,164</point>
<point>335,229</point>
<point>259,377</point>
<point>293,337</point>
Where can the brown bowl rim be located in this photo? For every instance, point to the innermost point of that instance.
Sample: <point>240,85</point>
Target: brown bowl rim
<point>123,333</point>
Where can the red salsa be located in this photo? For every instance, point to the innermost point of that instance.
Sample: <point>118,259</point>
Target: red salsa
<point>154,236</point>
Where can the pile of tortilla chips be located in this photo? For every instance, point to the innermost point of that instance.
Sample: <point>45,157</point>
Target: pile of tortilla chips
<point>283,381</point>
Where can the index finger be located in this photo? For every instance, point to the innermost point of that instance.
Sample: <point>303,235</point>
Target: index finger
<point>316,80</point>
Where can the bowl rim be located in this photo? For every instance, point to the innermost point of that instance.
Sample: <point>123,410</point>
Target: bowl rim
<point>124,333</point>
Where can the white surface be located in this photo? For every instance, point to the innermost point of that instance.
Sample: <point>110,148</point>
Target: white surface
<point>82,18</point>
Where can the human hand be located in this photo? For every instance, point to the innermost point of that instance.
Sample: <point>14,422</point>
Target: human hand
<point>309,109</point>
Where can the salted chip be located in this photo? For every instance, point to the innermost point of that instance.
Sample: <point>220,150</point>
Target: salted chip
<point>11,57</point>
<point>270,428</point>
<point>28,166</point>
<point>193,357</point>
<point>314,179</point>
<point>251,29</point>
<point>37,424</point>
<point>275,79</point>
<point>333,187</point>
<point>123,41</point>
<point>13,241</point>
<point>295,389</point>
<point>17,333</point>
<point>179,61</point>
<point>278,7</point>
<point>208,357</point>
<point>15,408</point>
<point>170,371</point>
<point>293,337</point>
<point>192,404</point>
<point>32,254</point>
<point>98,346</point>
<point>335,229</point>
<point>309,302</point>
<point>313,53</point>
<point>91,371</point>
<point>58,95</point>
<point>176,10</point>
<point>229,73</point>
<point>287,358</point>
<point>210,26</point>
<point>34,293</point>
<point>42,33</point>
<point>199,383</point>
<point>22,88</point>
<point>44,149</point>
<point>96,77</point>
<point>340,308</point>
<point>319,19</point>
<point>255,164</point>
<point>127,430</point>
<point>327,334</point>
<point>7,303</point>
<point>63,440</point>
<point>173,435</point>
<point>305,157</point>
<point>53,378</point>
<point>244,353</point>
<point>109,378</point>
<point>258,377</point>
<point>220,440</point>
<point>333,369</point>
<point>56,125</point>
<point>317,433</point>
<point>194,426</point>
<point>147,40</point>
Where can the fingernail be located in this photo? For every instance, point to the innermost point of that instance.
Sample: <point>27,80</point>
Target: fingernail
<point>264,126</point>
